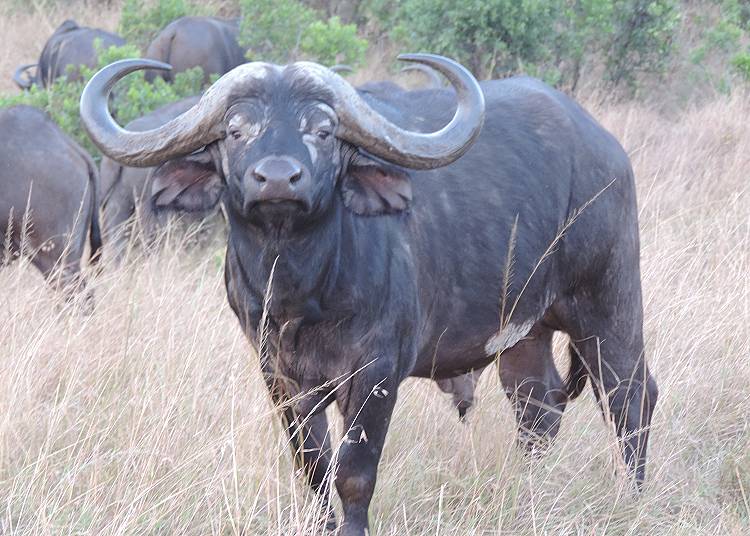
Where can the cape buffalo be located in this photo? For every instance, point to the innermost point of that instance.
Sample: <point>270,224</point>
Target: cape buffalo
<point>205,42</point>
<point>126,191</point>
<point>375,239</point>
<point>70,45</point>
<point>47,196</point>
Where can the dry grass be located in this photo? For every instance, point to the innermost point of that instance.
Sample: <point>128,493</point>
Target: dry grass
<point>150,417</point>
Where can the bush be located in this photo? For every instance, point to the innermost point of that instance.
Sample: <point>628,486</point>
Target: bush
<point>552,39</point>
<point>642,38</point>
<point>722,39</point>
<point>332,42</point>
<point>133,97</point>
<point>282,31</point>
<point>741,64</point>
<point>271,30</point>
<point>141,20</point>
<point>488,36</point>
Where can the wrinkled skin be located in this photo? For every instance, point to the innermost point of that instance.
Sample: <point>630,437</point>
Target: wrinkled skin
<point>206,42</point>
<point>127,191</point>
<point>380,273</point>
<point>69,46</point>
<point>461,388</point>
<point>42,168</point>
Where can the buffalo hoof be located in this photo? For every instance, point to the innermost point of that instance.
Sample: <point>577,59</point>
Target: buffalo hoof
<point>331,524</point>
<point>534,446</point>
<point>463,410</point>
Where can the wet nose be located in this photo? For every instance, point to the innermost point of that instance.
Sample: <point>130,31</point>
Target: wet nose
<point>278,171</point>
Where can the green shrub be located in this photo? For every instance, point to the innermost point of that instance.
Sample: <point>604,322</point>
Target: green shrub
<point>642,38</point>
<point>580,39</point>
<point>553,39</point>
<point>719,58</point>
<point>741,65</point>
<point>133,96</point>
<point>488,36</point>
<point>281,31</point>
<point>332,42</point>
<point>271,30</point>
<point>141,20</point>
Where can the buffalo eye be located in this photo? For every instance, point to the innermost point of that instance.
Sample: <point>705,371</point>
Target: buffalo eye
<point>323,134</point>
<point>235,133</point>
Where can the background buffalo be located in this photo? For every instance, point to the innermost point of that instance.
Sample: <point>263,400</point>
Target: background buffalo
<point>69,47</point>
<point>127,192</point>
<point>206,42</point>
<point>48,197</point>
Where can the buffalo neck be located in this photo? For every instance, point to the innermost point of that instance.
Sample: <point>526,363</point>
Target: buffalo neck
<point>327,270</point>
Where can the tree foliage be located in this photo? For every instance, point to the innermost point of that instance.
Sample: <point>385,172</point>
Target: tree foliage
<point>554,39</point>
<point>725,35</point>
<point>282,31</point>
<point>141,20</point>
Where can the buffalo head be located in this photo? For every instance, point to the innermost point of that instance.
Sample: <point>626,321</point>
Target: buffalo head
<point>285,139</point>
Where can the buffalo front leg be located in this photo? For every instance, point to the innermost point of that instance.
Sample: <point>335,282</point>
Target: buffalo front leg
<point>311,448</point>
<point>367,413</point>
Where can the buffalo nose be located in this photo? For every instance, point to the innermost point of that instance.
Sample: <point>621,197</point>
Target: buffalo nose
<point>278,170</point>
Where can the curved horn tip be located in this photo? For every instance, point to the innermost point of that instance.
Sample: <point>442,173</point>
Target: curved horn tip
<point>154,64</point>
<point>419,57</point>
<point>136,64</point>
<point>417,150</point>
<point>105,78</point>
<point>117,70</point>
<point>179,136</point>
<point>440,63</point>
<point>433,60</point>
<point>341,68</point>
<point>19,79</point>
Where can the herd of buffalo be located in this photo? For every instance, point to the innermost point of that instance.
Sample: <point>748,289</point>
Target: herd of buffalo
<point>373,233</point>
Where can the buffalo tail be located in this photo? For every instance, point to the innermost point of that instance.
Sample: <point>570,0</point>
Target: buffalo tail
<point>577,375</point>
<point>95,232</point>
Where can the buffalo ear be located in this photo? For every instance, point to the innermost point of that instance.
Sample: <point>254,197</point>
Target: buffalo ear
<point>371,188</point>
<point>187,184</point>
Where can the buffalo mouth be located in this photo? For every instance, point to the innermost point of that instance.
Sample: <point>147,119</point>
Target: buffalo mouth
<point>275,208</point>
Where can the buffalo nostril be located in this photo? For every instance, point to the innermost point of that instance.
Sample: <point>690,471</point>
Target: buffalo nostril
<point>277,171</point>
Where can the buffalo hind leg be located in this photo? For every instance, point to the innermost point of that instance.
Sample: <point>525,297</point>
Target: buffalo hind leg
<point>610,345</point>
<point>534,387</point>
